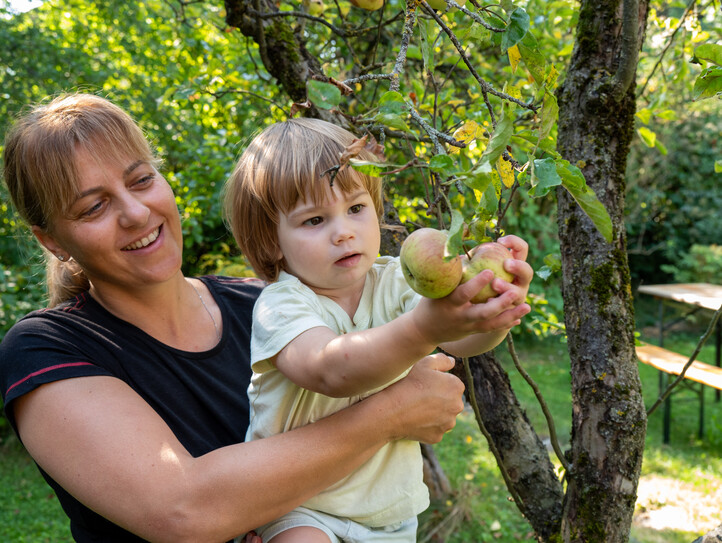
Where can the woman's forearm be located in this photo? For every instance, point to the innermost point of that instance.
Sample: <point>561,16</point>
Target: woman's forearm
<point>105,445</point>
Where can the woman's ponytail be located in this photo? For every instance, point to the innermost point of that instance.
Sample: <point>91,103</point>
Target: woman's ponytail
<point>64,279</point>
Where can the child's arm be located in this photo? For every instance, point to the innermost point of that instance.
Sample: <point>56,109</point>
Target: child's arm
<point>353,363</point>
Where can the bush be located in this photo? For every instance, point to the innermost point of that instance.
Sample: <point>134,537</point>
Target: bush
<point>702,264</point>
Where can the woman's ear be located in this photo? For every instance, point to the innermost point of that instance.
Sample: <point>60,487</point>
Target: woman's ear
<point>48,241</point>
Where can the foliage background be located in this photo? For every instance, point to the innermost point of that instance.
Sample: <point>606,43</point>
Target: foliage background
<point>199,90</point>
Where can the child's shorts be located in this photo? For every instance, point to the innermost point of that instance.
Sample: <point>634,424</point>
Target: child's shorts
<point>341,530</point>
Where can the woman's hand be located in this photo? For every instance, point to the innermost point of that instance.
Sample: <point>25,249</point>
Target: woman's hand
<point>426,402</point>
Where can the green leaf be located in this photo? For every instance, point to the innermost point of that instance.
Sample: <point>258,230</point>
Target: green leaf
<point>516,29</point>
<point>479,178</point>
<point>708,84</point>
<point>718,166</point>
<point>533,59</point>
<point>549,114</point>
<point>648,137</point>
<point>373,169</point>
<point>441,163</point>
<point>392,102</point>
<point>499,140</point>
<point>660,147</point>
<point>426,32</point>
<point>454,243</point>
<point>488,202</point>
<point>711,52</point>
<point>392,121</point>
<point>544,177</point>
<point>644,115</point>
<point>322,94</point>
<point>392,111</point>
<point>573,180</point>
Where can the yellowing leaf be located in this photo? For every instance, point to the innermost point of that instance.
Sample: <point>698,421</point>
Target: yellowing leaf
<point>506,172</point>
<point>514,57</point>
<point>466,133</point>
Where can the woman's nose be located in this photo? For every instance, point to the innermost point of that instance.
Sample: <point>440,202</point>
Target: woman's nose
<point>133,212</point>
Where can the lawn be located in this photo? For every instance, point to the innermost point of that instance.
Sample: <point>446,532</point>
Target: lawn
<point>679,492</point>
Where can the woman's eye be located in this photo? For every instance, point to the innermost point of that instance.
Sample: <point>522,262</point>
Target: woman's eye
<point>356,208</point>
<point>313,221</point>
<point>146,179</point>
<point>92,210</point>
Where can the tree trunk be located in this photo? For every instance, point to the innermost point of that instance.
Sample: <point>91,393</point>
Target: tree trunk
<point>520,454</point>
<point>596,122</point>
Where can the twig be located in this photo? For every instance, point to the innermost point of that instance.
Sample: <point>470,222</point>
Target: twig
<point>666,47</point>
<point>545,408</point>
<point>697,349</point>
<point>485,87</point>
<point>409,23</point>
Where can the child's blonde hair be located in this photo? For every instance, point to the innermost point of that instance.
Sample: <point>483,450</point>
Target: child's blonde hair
<point>278,169</point>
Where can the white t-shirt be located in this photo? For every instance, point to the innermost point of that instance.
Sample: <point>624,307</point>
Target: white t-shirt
<point>389,487</point>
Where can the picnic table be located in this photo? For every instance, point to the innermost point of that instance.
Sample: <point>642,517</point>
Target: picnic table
<point>698,296</point>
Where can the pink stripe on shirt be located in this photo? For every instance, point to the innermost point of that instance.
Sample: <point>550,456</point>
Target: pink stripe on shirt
<point>44,370</point>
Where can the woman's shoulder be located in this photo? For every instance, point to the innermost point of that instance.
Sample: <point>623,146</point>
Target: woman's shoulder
<point>247,287</point>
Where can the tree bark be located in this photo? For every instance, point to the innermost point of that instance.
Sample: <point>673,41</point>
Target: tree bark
<point>596,122</point>
<point>520,454</point>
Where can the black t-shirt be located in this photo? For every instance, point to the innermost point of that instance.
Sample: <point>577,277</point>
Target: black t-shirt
<point>201,396</point>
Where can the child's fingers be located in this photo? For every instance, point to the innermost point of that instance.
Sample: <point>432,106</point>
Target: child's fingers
<point>466,291</point>
<point>518,247</point>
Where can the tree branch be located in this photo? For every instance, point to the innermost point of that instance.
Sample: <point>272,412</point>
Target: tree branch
<point>629,56</point>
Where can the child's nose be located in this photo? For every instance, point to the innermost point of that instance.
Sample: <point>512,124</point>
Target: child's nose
<point>343,232</point>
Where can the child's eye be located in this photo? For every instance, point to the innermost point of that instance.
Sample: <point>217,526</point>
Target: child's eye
<point>356,208</point>
<point>313,221</point>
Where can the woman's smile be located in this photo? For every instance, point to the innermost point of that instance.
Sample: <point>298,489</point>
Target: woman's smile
<point>144,242</point>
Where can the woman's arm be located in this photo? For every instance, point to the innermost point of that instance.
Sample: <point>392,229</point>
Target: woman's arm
<point>105,445</point>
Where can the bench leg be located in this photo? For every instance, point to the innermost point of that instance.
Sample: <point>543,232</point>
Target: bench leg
<point>701,412</point>
<point>667,412</point>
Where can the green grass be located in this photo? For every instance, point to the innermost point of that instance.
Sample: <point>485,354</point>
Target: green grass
<point>480,510</point>
<point>29,510</point>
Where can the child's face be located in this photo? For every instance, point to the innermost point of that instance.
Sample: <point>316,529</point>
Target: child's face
<point>331,246</point>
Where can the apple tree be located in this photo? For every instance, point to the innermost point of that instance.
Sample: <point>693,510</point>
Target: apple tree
<point>464,97</point>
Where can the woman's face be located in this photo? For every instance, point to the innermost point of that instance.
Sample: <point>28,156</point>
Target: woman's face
<point>123,230</point>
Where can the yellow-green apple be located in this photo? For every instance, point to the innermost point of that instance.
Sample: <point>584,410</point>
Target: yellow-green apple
<point>369,5</point>
<point>487,256</point>
<point>314,7</point>
<point>424,266</point>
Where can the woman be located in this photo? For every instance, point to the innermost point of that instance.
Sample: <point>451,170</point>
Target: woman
<point>129,392</point>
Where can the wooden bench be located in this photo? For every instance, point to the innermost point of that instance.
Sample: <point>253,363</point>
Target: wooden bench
<point>673,363</point>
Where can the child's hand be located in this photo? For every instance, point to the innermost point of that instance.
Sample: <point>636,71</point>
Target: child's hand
<point>455,317</point>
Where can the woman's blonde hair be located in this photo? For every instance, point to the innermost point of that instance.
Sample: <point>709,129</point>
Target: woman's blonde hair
<point>278,169</point>
<point>40,168</point>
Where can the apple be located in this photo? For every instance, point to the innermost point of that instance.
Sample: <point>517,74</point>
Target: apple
<point>369,5</point>
<point>441,4</point>
<point>487,256</point>
<point>314,7</point>
<point>423,264</point>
